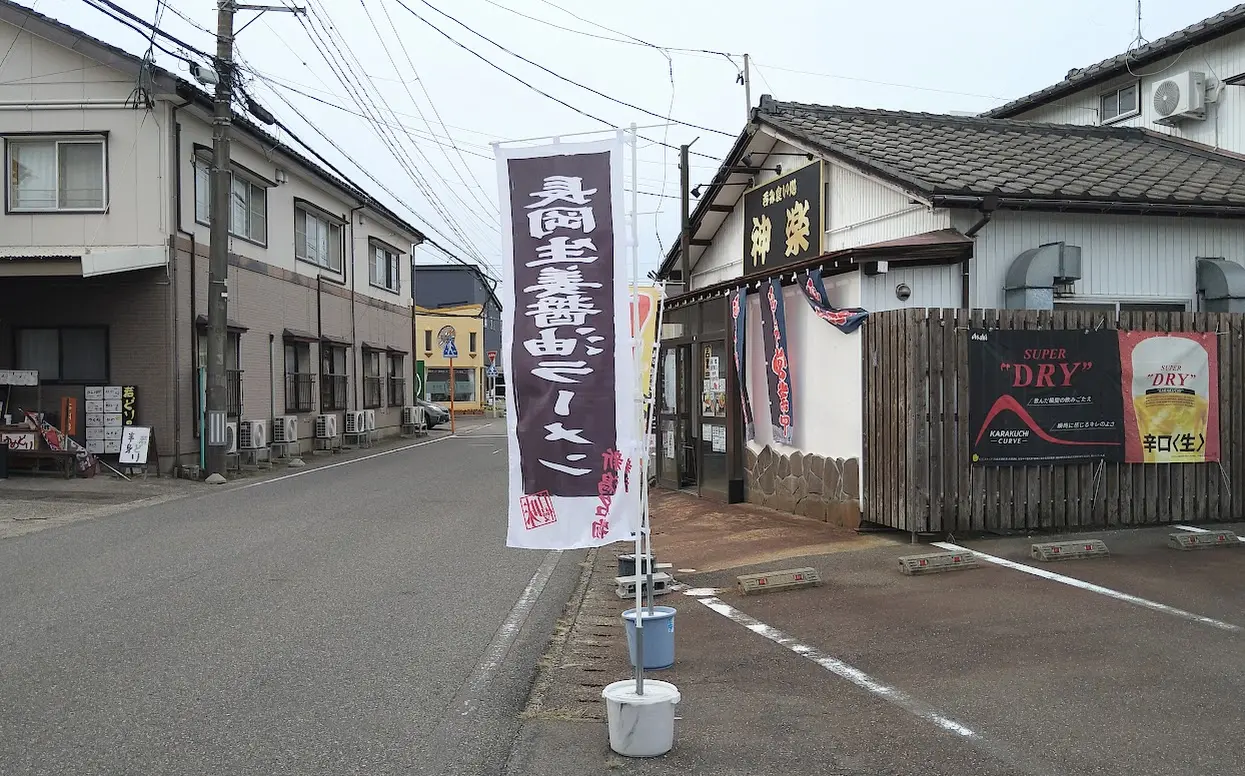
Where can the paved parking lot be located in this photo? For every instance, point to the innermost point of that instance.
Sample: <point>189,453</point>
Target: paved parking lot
<point>1132,664</point>
<point>1049,677</point>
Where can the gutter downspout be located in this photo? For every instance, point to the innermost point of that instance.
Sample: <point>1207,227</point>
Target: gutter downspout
<point>987,208</point>
<point>354,338</point>
<point>178,231</point>
<point>272,380</point>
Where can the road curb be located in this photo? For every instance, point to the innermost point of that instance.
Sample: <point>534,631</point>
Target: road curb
<point>551,658</point>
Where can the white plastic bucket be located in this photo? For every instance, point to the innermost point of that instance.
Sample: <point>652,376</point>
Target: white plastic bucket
<point>641,725</point>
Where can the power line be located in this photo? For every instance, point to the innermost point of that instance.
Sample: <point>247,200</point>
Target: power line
<point>561,77</point>
<point>346,81</point>
<point>112,9</point>
<point>635,39</point>
<point>475,184</point>
<point>536,89</point>
<point>395,147</point>
<point>332,167</point>
<point>347,74</point>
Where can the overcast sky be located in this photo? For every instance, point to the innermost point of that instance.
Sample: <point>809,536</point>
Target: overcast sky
<point>952,55</point>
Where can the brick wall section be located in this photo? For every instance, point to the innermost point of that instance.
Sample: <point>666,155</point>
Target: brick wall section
<point>134,308</point>
<point>267,301</point>
<point>263,299</point>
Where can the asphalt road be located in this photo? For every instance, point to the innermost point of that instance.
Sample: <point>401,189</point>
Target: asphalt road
<point>356,619</point>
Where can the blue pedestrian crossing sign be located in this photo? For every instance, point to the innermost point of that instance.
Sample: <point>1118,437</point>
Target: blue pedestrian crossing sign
<point>449,349</point>
<point>492,370</point>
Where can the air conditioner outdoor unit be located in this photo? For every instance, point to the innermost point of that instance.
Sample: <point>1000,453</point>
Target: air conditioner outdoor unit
<point>356,422</point>
<point>1180,97</point>
<point>253,435</point>
<point>231,434</point>
<point>285,430</point>
<point>326,426</point>
<point>412,416</point>
<point>370,416</point>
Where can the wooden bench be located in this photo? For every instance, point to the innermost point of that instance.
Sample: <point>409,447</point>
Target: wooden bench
<point>64,462</point>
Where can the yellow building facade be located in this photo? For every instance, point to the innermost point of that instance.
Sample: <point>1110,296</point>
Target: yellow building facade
<point>464,325</point>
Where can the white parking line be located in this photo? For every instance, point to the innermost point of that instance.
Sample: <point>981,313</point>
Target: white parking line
<point>1195,529</point>
<point>1091,587</point>
<point>838,667</point>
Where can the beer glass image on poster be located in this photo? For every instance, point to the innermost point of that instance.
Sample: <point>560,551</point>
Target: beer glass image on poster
<point>1171,396</point>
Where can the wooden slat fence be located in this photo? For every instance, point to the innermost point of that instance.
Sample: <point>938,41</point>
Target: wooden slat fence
<point>917,472</point>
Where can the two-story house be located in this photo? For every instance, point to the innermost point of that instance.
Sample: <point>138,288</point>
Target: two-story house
<point>458,297</point>
<point>104,241</point>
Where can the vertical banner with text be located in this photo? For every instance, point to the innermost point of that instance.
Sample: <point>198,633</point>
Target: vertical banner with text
<point>739,334</point>
<point>778,368</point>
<point>1171,396</point>
<point>572,387</point>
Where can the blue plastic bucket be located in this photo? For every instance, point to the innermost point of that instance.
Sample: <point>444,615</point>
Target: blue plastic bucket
<point>658,636</point>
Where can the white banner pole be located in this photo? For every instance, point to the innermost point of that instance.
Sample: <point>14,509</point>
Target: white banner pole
<point>635,350</point>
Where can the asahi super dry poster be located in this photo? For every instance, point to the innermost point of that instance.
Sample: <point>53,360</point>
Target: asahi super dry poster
<point>1067,396</point>
<point>1044,396</point>
<point>1170,396</point>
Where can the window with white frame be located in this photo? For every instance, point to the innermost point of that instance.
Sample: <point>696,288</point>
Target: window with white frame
<point>317,239</point>
<point>383,268</point>
<point>57,174</point>
<point>1121,103</point>
<point>248,203</point>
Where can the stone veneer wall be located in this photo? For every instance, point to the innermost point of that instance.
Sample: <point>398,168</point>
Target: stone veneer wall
<point>805,484</point>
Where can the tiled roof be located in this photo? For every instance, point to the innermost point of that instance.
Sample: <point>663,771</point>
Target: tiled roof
<point>1208,29</point>
<point>944,157</point>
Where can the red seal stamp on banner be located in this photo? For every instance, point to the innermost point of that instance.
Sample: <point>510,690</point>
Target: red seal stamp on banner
<point>537,510</point>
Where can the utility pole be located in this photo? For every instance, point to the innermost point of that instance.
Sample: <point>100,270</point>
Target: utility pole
<point>217,398</point>
<point>747,88</point>
<point>685,233</point>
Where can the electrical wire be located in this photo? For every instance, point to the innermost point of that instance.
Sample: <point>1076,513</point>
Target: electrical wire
<point>638,40</point>
<point>347,73</point>
<point>395,147</point>
<point>536,89</point>
<point>472,187</point>
<point>333,168</point>
<point>561,77</point>
<point>467,247</point>
<point>112,9</point>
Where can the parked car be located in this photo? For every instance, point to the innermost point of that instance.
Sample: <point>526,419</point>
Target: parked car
<point>435,413</point>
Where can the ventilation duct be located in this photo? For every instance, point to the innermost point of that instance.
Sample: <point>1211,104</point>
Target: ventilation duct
<point>1222,285</point>
<point>1035,274</point>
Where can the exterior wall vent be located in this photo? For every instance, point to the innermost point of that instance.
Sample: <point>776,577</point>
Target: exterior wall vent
<point>1221,284</point>
<point>1040,274</point>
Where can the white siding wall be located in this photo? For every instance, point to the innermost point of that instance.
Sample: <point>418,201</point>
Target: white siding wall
<point>931,287</point>
<point>865,211</point>
<point>301,185</point>
<point>1121,257</point>
<point>36,74</point>
<point>825,375</point>
<point>1224,126</point>
<point>723,260</point>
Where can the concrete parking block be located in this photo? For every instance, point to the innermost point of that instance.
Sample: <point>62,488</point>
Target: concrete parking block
<point>1074,550</point>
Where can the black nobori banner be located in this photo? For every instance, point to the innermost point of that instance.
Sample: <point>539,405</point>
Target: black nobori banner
<point>1044,396</point>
